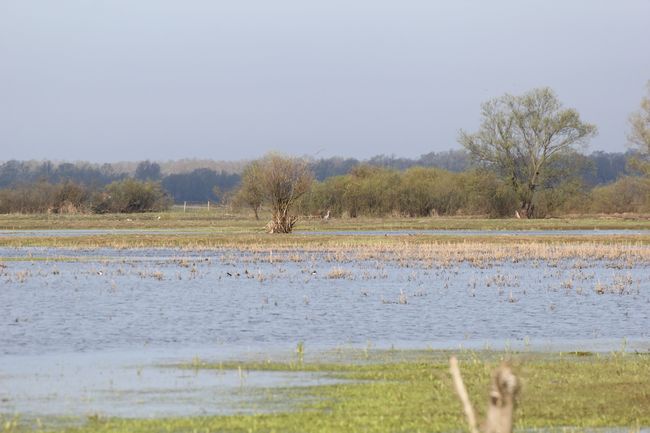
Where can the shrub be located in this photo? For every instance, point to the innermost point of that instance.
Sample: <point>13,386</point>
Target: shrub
<point>628,194</point>
<point>130,196</point>
<point>44,197</point>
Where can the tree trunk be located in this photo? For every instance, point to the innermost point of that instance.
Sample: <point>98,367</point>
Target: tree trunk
<point>527,207</point>
<point>528,210</point>
<point>281,223</point>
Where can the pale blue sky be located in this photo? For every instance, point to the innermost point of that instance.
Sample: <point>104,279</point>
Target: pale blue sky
<point>116,80</point>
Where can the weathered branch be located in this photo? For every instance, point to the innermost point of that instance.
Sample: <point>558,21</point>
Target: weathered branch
<point>462,394</point>
<point>501,403</point>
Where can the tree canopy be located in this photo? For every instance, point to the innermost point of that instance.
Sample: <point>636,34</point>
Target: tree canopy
<point>639,134</point>
<point>520,135</point>
<point>280,181</point>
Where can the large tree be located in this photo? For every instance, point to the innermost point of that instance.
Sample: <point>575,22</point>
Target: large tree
<point>639,134</point>
<point>520,135</point>
<point>280,181</point>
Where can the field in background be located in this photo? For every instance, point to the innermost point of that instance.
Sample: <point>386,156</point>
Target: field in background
<point>198,227</point>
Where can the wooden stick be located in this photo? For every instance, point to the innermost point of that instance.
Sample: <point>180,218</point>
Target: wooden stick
<point>462,394</point>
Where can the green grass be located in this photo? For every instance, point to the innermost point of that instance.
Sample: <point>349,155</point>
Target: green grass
<point>218,229</point>
<point>412,392</point>
<point>225,222</point>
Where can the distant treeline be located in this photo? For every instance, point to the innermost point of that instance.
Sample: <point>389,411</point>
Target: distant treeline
<point>122,196</point>
<point>198,185</point>
<point>186,180</point>
<point>598,168</point>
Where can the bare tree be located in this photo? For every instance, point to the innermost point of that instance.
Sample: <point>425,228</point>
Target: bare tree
<point>280,182</point>
<point>521,135</point>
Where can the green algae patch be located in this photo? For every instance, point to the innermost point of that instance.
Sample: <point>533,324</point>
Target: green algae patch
<point>411,391</point>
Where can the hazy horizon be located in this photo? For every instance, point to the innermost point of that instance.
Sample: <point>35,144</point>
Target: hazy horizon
<point>240,161</point>
<point>120,81</point>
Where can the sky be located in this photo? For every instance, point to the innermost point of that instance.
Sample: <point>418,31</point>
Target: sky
<point>118,80</point>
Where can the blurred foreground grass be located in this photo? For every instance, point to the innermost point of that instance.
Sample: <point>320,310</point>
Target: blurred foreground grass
<point>412,392</point>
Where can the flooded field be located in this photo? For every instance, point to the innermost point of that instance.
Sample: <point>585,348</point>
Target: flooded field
<point>109,317</point>
<point>76,301</point>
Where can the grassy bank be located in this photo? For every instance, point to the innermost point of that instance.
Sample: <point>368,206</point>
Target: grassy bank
<point>225,222</point>
<point>217,229</point>
<point>412,391</point>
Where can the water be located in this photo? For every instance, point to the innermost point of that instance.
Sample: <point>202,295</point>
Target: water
<point>133,385</point>
<point>149,299</point>
<point>107,318</point>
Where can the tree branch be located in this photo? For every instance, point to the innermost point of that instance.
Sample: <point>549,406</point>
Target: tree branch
<point>462,394</point>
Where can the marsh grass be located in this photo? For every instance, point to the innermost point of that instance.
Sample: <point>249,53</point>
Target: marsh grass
<point>411,391</point>
<point>621,251</point>
<point>339,273</point>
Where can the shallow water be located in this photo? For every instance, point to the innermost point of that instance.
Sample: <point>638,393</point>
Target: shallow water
<point>149,298</point>
<point>117,312</point>
<point>133,385</point>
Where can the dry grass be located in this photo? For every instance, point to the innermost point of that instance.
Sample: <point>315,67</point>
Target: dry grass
<point>339,273</point>
<point>620,254</point>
